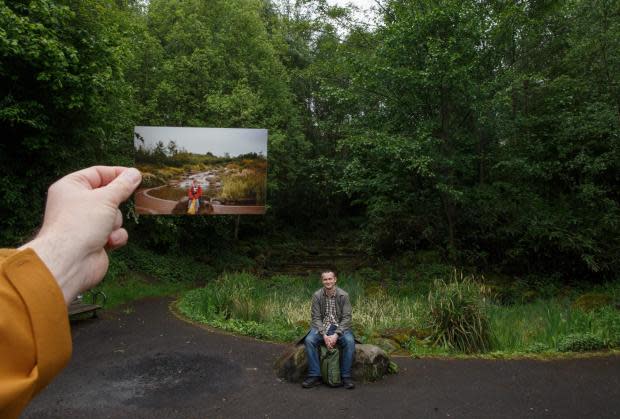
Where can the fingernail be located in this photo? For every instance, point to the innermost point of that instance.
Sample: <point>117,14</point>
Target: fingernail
<point>132,175</point>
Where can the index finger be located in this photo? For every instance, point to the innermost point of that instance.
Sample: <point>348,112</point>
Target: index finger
<point>97,176</point>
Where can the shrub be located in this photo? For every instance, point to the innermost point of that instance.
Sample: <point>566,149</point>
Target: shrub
<point>537,347</point>
<point>457,316</point>
<point>592,301</point>
<point>244,186</point>
<point>580,342</point>
<point>606,321</point>
<point>149,180</point>
<point>232,298</point>
<point>168,267</point>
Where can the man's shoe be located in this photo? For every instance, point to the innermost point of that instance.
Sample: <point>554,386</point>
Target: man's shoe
<point>348,383</point>
<point>311,382</point>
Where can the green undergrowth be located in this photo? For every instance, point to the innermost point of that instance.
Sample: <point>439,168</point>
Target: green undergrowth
<point>278,308</point>
<point>418,307</point>
<point>136,273</point>
<point>544,325</point>
<point>424,318</point>
<point>133,286</point>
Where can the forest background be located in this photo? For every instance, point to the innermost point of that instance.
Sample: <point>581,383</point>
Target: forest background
<point>484,131</point>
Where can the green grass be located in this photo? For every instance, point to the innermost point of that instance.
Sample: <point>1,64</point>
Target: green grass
<point>134,287</point>
<point>278,309</point>
<point>164,267</point>
<point>520,328</point>
<point>136,273</point>
<point>389,299</point>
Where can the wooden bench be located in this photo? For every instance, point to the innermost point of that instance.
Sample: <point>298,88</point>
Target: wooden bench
<point>78,306</point>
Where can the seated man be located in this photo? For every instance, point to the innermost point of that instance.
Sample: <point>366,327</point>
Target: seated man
<point>194,193</point>
<point>330,308</point>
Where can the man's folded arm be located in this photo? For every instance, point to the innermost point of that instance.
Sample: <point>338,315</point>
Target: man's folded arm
<point>35,339</point>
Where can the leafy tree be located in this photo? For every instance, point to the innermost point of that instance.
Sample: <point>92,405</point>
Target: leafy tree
<point>65,102</point>
<point>488,130</point>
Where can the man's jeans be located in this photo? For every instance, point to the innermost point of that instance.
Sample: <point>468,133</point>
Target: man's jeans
<point>347,346</point>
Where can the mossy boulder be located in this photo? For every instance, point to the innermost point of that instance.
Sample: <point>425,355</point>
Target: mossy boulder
<point>388,345</point>
<point>421,334</point>
<point>592,301</point>
<point>371,363</point>
<point>400,335</point>
<point>292,364</point>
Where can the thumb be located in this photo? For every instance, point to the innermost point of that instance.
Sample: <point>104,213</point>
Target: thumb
<point>123,186</point>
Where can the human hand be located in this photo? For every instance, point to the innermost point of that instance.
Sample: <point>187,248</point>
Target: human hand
<point>327,341</point>
<point>81,222</point>
<point>331,340</point>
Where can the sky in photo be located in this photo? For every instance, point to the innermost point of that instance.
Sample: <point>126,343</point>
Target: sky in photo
<point>217,141</point>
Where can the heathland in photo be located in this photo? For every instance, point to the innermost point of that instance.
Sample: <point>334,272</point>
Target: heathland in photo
<point>201,171</point>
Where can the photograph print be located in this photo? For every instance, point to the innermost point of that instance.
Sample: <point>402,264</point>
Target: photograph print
<point>201,171</point>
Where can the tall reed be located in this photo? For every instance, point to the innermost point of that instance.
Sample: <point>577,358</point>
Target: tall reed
<point>457,315</point>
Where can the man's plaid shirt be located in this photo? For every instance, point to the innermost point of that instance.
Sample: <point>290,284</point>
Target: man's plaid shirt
<point>329,317</point>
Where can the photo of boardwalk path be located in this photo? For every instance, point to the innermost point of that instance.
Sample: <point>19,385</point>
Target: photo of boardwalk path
<point>151,205</point>
<point>172,197</point>
<point>225,167</point>
<point>148,204</point>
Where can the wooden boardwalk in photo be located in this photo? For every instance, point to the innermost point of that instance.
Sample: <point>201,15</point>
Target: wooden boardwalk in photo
<point>147,204</point>
<point>238,209</point>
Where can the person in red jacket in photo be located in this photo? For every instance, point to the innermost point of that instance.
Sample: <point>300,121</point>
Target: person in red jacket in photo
<point>194,193</point>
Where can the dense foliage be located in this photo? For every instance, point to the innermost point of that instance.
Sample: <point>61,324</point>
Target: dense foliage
<point>487,130</point>
<point>65,103</point>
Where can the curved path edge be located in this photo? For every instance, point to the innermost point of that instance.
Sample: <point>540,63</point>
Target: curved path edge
<point>141,361</point>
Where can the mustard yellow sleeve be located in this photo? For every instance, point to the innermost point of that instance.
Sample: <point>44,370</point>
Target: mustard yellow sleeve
<point>35,339</point>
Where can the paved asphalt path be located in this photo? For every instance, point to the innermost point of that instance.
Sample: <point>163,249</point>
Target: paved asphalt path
<point>143,362</point>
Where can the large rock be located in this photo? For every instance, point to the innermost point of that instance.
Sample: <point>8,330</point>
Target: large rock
<point>388,345</point>
<point>370,364</point>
